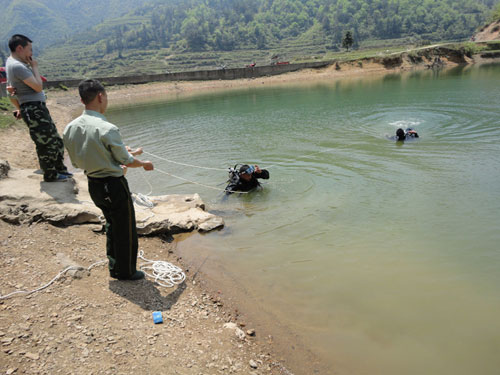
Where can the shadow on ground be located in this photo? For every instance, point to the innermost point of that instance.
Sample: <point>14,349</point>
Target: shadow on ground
<point>146,294</point>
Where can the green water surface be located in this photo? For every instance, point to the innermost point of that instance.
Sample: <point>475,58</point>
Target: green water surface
<point>383,258</point>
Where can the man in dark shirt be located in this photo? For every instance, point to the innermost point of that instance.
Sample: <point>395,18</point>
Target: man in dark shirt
<point>246,178</point>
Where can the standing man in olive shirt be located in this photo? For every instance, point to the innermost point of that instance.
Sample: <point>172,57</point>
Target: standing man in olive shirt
<point>95,145</point>
<point>24,80</point>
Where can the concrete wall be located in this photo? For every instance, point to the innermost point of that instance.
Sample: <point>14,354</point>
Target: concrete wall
<point>200,75</point>
<point>490,54</point>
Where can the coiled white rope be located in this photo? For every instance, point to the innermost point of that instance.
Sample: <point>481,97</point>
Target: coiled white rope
<point>164,273</point>
<point>78,268</point>
<point>142,200</point>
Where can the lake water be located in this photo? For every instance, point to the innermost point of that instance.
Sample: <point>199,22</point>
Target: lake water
<point>379,257</point>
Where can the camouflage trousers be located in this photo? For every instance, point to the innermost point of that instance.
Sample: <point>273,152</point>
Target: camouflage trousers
<point>48,142</point>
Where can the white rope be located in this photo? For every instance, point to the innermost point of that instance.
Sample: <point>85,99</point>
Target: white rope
<point>197,183</point>
<point>142,200</point>
<point>78,268</point>
<point>304,156</point>
<point>146,203</point>
<point>185,164</point>
<point>225,170</point>
<point>147,180</point>
<point>164,273</point>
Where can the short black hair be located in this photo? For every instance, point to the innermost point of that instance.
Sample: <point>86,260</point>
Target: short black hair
<point>18,40</point>
<point>89,88</point>
<point>400,133</point>
<point>244,168</point>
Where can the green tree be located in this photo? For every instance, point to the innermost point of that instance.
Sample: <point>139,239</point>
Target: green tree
<point>192,31</point>
<point>2,57</point>
<point>496,13</point>
<point>347,41</point>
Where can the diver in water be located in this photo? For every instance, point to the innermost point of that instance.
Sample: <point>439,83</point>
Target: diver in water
<point>403,135</point>
<point>245,179</point>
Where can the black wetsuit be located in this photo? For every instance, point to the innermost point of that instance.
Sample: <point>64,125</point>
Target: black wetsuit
<point>409,134</point>
<point>238,184</point>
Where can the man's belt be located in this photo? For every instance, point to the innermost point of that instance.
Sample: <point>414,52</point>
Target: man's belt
<point>32,103</point>
<point>103,179</point>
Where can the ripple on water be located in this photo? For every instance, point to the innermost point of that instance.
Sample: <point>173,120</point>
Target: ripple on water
<point>389,230</point>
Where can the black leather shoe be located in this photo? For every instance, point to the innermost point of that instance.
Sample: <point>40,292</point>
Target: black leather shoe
<point>138,275</point>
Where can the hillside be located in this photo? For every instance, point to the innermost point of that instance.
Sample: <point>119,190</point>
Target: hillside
<point>225,25</point>
<point>123,37</point>
<point>489,32</point>
<point>205,34</point>
<point>49,21</point>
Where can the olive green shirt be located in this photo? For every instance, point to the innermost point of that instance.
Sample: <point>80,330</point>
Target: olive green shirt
<point>96,146</point>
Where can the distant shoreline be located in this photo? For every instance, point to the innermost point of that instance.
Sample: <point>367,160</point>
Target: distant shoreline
<point>137,89</point>
<point>125,94</point>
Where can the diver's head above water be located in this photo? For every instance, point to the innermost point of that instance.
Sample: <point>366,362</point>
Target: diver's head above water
<point>246,172</point>
<point>400,134</point>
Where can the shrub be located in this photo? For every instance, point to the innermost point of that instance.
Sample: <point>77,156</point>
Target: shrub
<point>5,104</point>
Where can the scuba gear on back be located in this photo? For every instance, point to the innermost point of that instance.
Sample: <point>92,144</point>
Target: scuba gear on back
<point>234,174</point>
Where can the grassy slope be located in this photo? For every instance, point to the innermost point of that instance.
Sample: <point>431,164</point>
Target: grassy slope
<point>84,61</point>
<point>6,118</point>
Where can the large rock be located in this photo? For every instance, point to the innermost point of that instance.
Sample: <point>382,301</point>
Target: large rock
<point>26,198</point>
<point>174,214</point>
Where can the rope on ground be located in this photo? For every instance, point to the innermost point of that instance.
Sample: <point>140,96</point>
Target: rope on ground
<point>78,268</point>
<point>185,164</point>
<point>164,273</point>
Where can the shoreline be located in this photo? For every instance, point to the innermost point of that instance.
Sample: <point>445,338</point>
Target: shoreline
<point>17,148</point>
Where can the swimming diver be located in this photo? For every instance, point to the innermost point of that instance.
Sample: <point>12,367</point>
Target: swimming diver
<point>245,179</point>
<point>403,135</point>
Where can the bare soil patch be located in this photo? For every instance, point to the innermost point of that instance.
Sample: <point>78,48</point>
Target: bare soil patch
<point>489,32</point>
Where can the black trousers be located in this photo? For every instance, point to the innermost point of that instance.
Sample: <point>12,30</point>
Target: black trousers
<point>112,196</point>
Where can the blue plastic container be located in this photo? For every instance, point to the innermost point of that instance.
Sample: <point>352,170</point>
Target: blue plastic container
<point>157,318</point>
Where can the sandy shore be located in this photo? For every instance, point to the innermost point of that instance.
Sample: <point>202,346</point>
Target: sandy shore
<point>95,325</point>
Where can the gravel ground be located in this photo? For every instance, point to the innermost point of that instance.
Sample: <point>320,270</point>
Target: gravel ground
<point>91,324</point>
